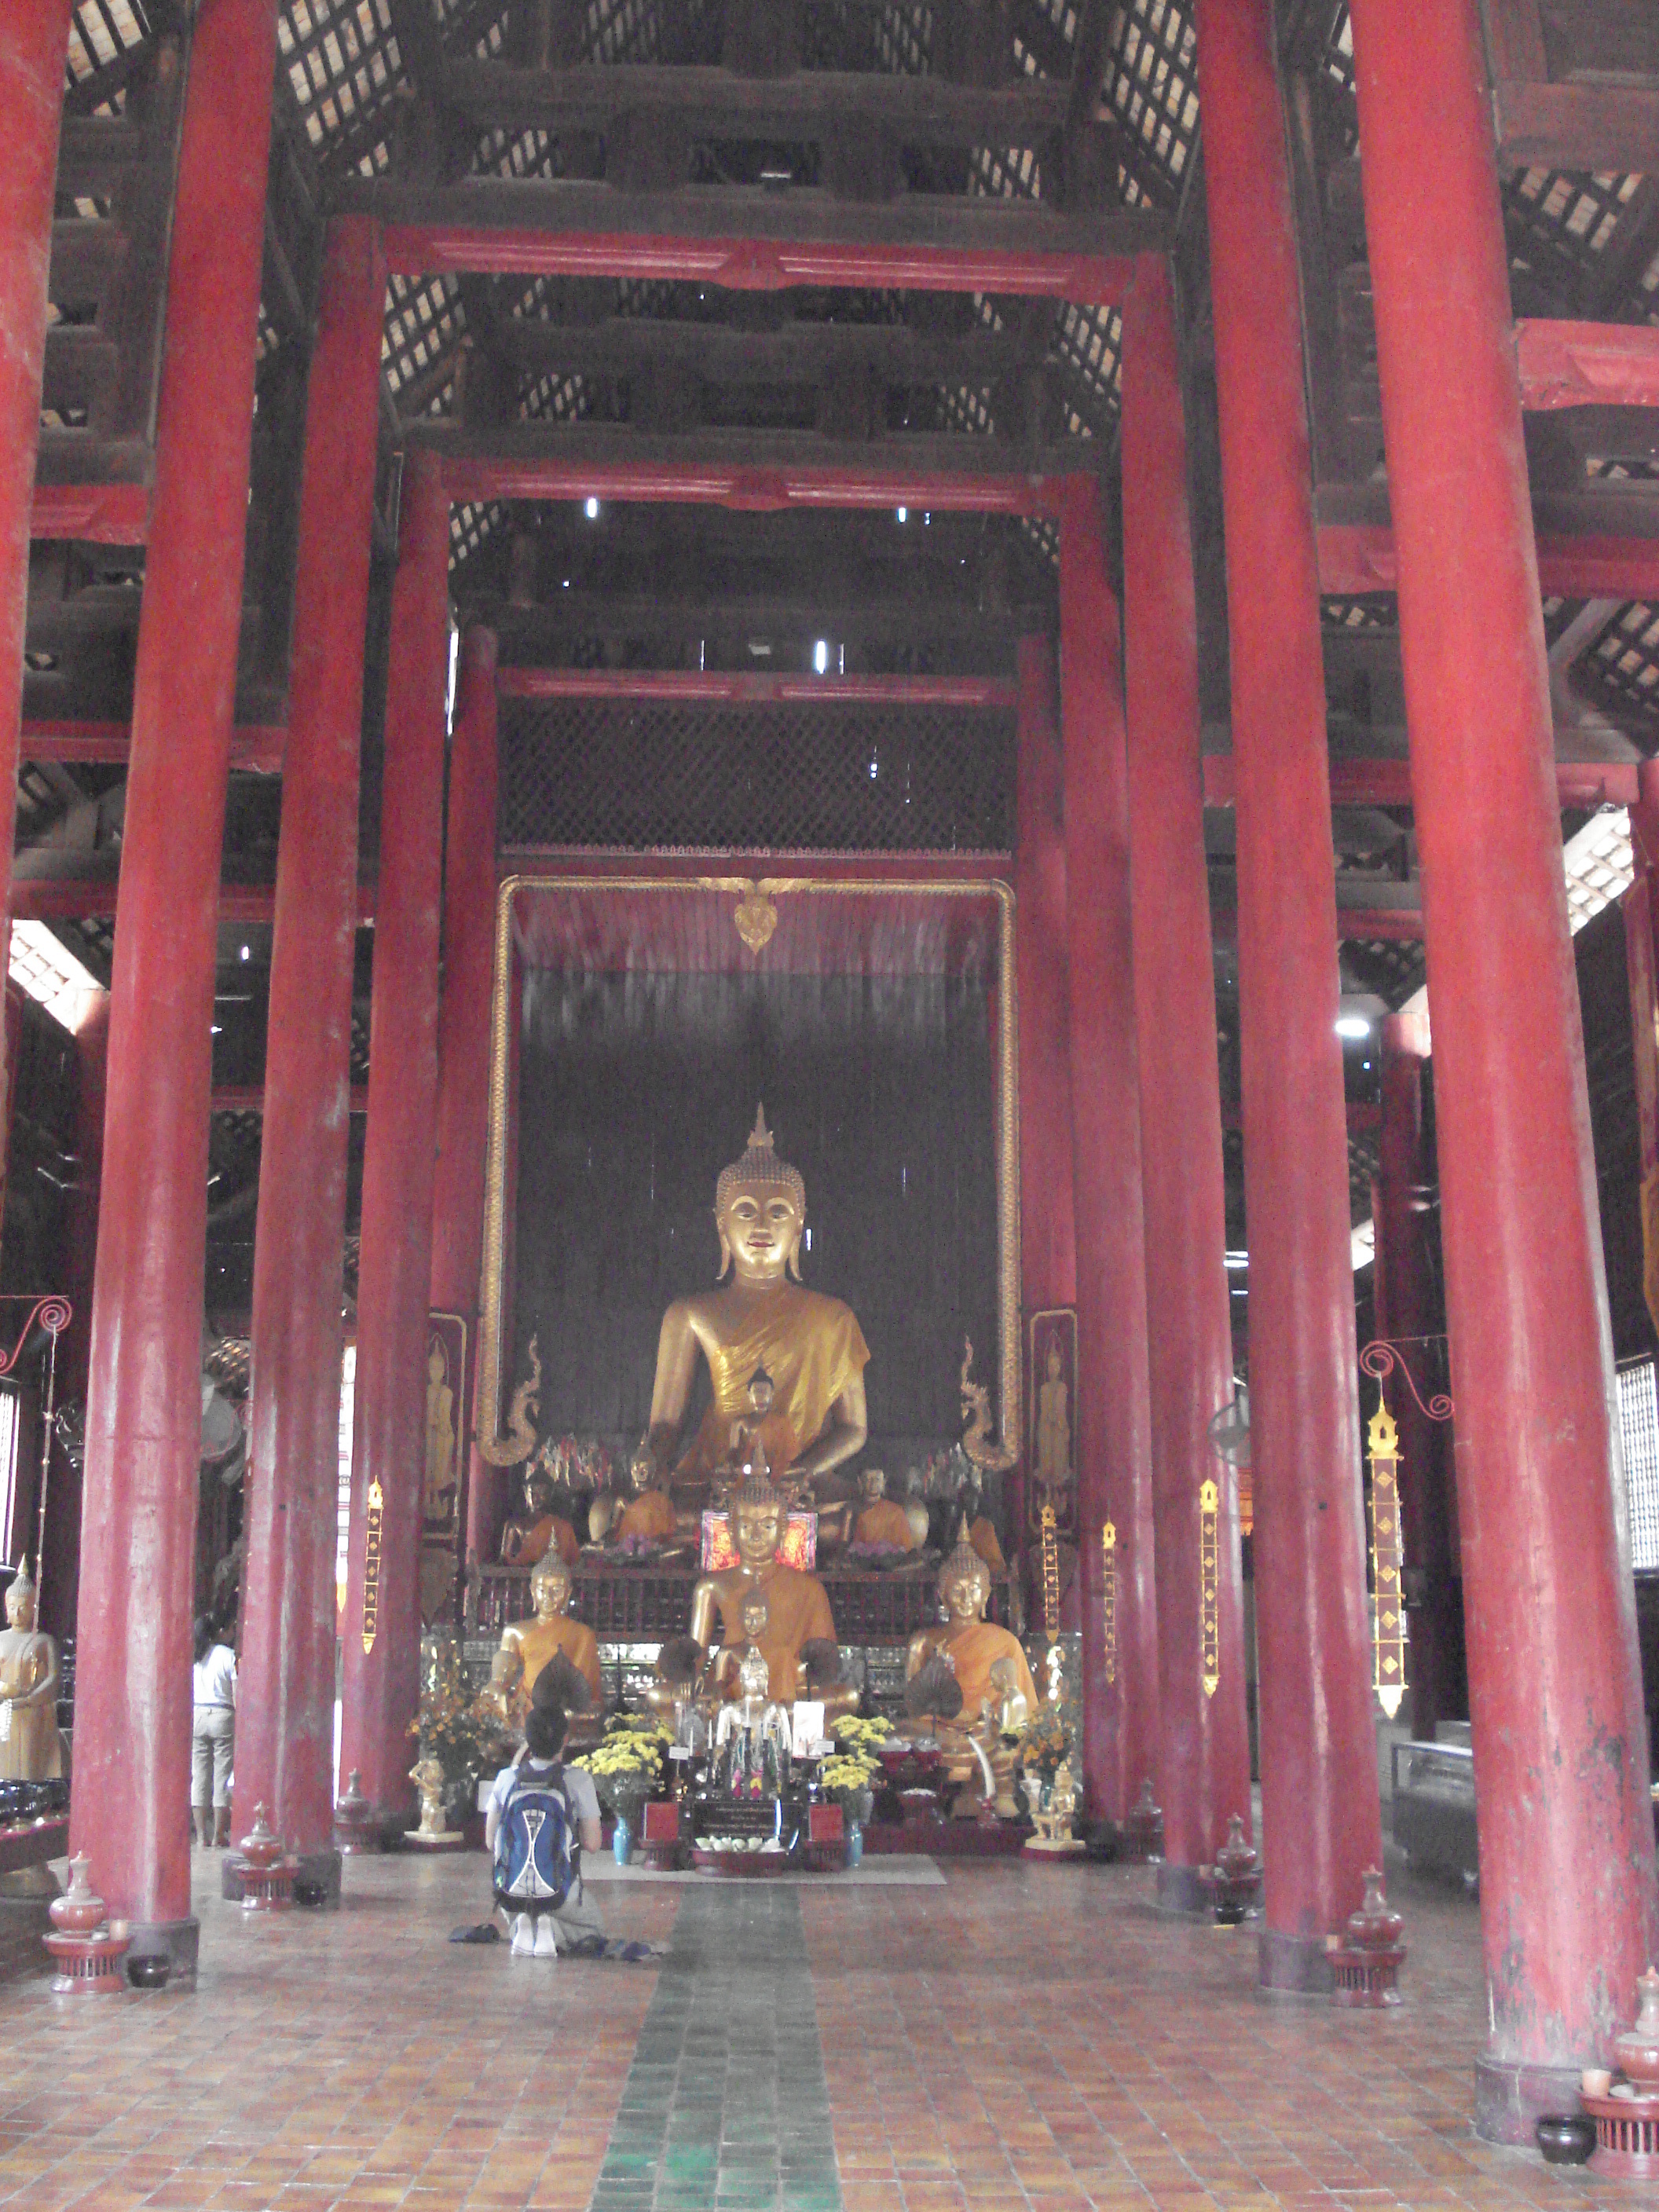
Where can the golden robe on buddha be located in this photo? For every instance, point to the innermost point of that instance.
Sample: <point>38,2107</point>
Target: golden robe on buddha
<point>812,1346</point>
<point>883,1522</point>
<point>550,1534</point>
<point>797,1613</point>
<point>974,1651</point>
<point>649,1517</point>
<point>539,1641</point>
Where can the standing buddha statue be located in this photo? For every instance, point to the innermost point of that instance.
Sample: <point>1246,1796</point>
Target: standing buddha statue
<point>31,1749</point>
<point>810,1345</point>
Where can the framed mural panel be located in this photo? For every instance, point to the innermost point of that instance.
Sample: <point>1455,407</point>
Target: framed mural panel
<point>1051,1447</point>
<point>446,1435</point>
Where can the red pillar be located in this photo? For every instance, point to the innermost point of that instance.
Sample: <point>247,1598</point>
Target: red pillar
<point>1204,1744</point>
<point>1113,1441</point>
<point>1048,1256</point>
<point>34,41</point>
<point>1569,1913</point>
<point>1400,1287</point>
<point>61,1575</point>
<point>382,1683</point>
<point>470,884</point>
<point>285,1721</point>
<point>132,1712</point>
<point>1321,1819</point>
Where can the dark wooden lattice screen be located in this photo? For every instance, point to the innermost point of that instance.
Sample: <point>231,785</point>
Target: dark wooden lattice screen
<point>789,776</point>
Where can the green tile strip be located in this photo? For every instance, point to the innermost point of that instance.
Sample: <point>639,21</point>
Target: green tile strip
<point>726,2108</point>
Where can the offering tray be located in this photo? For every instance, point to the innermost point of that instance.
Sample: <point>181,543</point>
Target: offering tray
<point>744,1836</point>
<point>1627,2135</point>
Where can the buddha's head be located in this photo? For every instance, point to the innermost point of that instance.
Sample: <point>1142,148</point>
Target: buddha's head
<point>538,1493</point>
<point>1053,1361</point>
<point>641,1473</point>
<point>760,1211</point>
<point>550,1588</point>
<point>964,1586</point>
<point>872,1483</point>
<point>755,1516</point>
<point>19,1599</point>
<point>760,1393</point>
<point>755,1617</point>
<point>436,1367</point>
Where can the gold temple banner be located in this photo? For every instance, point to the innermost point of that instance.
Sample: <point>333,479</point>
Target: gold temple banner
<point>1109,1598</point>
<point>1209,1571</point>
<point>1388,1674</point>
<point>501,1451</point>
<point>372,1566</point>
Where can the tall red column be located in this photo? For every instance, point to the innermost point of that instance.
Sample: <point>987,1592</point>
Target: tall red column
<point>1401,1291</point>
<point>1204,1744</point>
<point>1321,1819</point>
<point>1048,1252</point>
<point>1114,1439</point>
<point>60,1573</point>
<point>132,1714</point>
<point>1568,1914</point>
<point>285,1721</point>
<point>463,1031</point>
<point>381,1685</point>
<point>34,41</point>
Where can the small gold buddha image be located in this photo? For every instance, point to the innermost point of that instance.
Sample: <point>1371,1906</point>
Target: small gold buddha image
<point>881,1520</point>
<point>535,1643</point>
<point>1054,1429</point>
<point>31,1749</point>
<point>798,1622</point>
<point>525,1541</point>
<point>810,1347</point>
<point>648,1515</point>
<point>439,1497</point>
<point>725,1665</point>
<point>427,1775</point>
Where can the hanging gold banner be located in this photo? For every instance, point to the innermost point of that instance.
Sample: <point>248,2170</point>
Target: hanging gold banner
<point>1109,1598</point>
<point>1050,1574</point>
<point>1388,1671</point>
<point>1209,1569</point>
<point>372,1567</point>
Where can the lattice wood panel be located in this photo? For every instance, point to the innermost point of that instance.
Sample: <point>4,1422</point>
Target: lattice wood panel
<point>1152,86</point>
<point>790,777</point>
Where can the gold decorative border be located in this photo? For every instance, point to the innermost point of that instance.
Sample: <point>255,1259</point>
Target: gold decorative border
<point>487,1408</point>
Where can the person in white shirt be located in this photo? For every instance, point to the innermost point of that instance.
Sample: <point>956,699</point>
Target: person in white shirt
<point>541,1926</point>
<point>212,1735</point>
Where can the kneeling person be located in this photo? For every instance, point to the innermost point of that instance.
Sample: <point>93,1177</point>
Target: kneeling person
<point>542,1816</point>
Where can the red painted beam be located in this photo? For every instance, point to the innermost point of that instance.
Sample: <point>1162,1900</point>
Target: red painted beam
<point>1587,364</point>
<point>750,265</point>
<point>107,515</point>
<point>1359,557</point>
<point>755,492</point>
<point>250,1098</point>
<point>254,746</point>
<point>733,687</point>
<point>1388,783</point>
<point>78,898</point>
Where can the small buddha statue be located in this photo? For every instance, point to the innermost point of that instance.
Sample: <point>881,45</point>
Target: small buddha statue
<point>881,1521</point>
<point>798,1615</point>
<point>525,1542</point>
<point>552,1631</point>
<point>725,1666</point>
<point>427,1775</point>
<point>31,1749</point>
<point>972,1643</point>
<point>752,1734</point>
<point>810,1347</point>
<point>1003,1714</point>
<point>648,1515</point>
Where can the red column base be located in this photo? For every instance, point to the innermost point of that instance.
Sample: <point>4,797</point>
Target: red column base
<point>1185,1889</point>
<point>1511,2098</point>
<point>1293,1966</point>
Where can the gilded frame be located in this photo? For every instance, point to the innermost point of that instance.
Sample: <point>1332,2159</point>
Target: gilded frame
<point>487,1406</point>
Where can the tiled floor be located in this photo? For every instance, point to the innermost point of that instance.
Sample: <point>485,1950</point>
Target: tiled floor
<point>1032,2037</point>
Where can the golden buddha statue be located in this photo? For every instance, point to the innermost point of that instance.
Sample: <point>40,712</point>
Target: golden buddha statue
<point>881,1520</point>
<point>798,1615</point>
<point>537,1642</point>
<point>972,1645</point>
<point>648,1515</point>
<point>31,1749</point>
<point>543,1531</point>
<point>810,1347</point>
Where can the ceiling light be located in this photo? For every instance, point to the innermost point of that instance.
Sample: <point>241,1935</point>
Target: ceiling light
<point>1353,1026</point>
<point>592,510</point>
<point>821,656</point>
<point>1236,1259</point>
<point>904,515</point>
<point>245,952</point>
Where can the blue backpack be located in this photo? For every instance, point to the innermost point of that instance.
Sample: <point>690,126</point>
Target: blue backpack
<point>535,1850</point>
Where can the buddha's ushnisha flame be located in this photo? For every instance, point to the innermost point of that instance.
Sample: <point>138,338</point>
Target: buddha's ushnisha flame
<point>761,1167</point>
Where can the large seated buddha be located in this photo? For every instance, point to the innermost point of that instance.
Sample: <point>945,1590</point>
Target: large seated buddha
<point>760,1316</point>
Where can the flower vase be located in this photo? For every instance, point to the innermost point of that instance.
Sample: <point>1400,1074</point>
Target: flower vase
<point>622,1843</point>
<point>854,1843</point>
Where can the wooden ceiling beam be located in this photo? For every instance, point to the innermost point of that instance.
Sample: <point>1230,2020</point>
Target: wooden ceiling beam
<point>752,239</point>
<point>800,352</point>
<point>1388,782</point>
<point>1591,127</point>
<point>1571,365</point>
<point>1358,558</point>
<point>884,619</point>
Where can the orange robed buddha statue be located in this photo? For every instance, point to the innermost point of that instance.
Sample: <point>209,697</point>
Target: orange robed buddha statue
<point>535,1642</point>
<point>810,1347</point>
<point>798,1615</point>
<point>524,1544</point>
<point>972,1643</point>
<point>881,1520</point>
